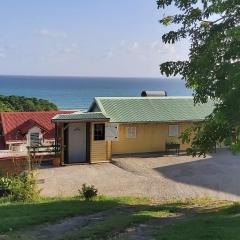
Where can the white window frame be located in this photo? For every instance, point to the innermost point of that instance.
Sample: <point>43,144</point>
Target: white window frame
<point>111,131</point>
<point>131,132</point>
<point>173,130</point>
<point>34,130</point>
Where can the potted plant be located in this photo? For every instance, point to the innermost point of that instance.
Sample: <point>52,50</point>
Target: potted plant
<point>56,160</point>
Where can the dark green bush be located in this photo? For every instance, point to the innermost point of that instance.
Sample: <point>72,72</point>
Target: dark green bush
<point>88,192</point>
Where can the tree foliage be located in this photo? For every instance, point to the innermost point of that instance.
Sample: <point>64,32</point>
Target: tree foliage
<point>213,67</point>
<point>18,103</point>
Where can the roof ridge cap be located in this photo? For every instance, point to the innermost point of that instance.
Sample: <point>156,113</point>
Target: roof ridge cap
<point>139,97</point>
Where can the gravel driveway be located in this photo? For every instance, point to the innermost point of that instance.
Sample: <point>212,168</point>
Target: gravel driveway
<point>151,175</point>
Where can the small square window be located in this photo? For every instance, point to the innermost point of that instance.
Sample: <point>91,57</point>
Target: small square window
<point>99,131</point>
<point>131,132</point>
<point>35,139</point>
<point>173,130</point>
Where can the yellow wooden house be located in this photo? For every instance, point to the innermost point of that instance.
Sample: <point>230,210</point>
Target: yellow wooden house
<point>125,125</point>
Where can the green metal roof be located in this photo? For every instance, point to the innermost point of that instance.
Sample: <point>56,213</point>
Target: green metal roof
<point>80,116</point>
<point>151,109</point>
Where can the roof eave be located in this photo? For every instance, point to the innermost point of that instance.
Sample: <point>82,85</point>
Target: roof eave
<point>81,120</point>
<point>169,121</point>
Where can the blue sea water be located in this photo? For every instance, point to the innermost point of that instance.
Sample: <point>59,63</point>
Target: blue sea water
<point>78,92</point>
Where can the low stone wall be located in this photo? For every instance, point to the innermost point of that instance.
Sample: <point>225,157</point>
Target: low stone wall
<point>11,166</point>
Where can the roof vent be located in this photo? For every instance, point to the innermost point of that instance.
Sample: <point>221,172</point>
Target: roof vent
<point>161,93</point>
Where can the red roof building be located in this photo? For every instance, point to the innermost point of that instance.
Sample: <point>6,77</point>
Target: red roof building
<point>16,127</point>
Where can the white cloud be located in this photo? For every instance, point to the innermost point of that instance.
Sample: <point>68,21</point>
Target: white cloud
<point>59,53</point>
<point>137,58</point>
<point>3,50</point>
<point>71,57</point>
<point>122,42</point>
<point>66,48</point>
<point>109,54</point>
<point>2,55</point>
<point>74,45</point>
<point>134,46</point>
<point>154,44</point>
<point>51,33</point>
<point>156,50</point>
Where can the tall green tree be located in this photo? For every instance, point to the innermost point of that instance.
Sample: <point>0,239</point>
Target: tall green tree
<point>213,67</point>
<point>20,103</point>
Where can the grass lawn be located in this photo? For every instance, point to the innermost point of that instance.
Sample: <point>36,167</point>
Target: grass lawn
<point>110,227</point>
<point>195,219</point>
<point>15,216</point>
<point>222,223</point>
<point>203,219</point>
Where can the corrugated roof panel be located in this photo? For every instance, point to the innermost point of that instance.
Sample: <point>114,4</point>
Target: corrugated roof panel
<point>80,116</point>
<point>153,109</point>
<point>12,122</point>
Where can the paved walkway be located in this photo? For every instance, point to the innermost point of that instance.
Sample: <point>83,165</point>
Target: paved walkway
<point>217,176</point>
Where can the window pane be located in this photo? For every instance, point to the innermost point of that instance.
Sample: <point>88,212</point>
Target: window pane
<point>99,131</point>
<point>34,139</point>
<point>131,132</point>
<point>173,130</point>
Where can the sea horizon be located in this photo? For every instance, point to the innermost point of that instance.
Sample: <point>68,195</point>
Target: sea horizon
<point>77,92</point>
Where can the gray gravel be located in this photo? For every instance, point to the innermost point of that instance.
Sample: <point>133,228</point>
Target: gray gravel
<point>150,175</point>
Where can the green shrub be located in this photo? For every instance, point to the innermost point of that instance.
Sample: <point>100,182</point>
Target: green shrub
<point>5,186</point>
<point>88,192</point>
<point>24,187</point>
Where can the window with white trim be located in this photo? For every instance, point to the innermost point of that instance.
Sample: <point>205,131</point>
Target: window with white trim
<point>34,136</point>
<point>131,132</point>
<point>173,130</point>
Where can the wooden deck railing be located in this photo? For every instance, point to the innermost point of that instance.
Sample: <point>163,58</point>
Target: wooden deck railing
<point>51,149</point>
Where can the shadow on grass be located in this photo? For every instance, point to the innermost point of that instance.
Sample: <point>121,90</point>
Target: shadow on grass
<point>178,221</point>
<point>217,224</point>
<point>14,216</point>
<point>20,218</point>
<point>125,218</point>
<point>207,220</point>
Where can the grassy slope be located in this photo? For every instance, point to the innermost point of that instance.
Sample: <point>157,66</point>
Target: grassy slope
<point>110,227</point>
<point>223,223</point>
<point>14,216</point>
<point>207,220</point>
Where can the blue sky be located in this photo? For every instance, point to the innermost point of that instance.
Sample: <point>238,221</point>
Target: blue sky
<point>84,38</point>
